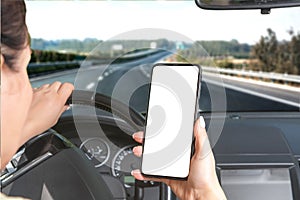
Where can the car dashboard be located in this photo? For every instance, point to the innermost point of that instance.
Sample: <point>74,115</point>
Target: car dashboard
<point>257,154</point>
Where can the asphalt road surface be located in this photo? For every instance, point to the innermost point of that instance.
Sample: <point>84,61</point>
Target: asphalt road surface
<point>129,82</point>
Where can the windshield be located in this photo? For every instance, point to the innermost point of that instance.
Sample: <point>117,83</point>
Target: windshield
<point>250,62</point>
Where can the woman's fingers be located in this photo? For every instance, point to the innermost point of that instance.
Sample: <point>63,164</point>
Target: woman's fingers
<point>138,136</point>
<point>65,89</point>
<point>41,87</point>
<point>44,86</point>
<point>139,176</point>
<point>67,107</point>
<point>138,150</point>
<point>65,92</point>
<point>55,86</point>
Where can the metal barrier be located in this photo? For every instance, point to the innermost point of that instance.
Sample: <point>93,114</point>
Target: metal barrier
<point>276,77</point>
<point>51,64</point>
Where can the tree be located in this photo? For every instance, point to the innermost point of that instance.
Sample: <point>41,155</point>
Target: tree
<point>294,47</point>
<point>266,51</point>
<point>277,56</point>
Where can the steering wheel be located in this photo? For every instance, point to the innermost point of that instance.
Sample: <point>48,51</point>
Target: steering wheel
<point>135,121</point>
<point>102,102</point>
<point>60,149</point>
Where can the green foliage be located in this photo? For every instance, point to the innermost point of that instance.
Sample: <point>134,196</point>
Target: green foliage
<point>70,45</point>
<point>203,52</point>
<point>38,56</point>
<point>53,61</point>
<point>225,64</point>
<point>52,56</point>
<point>217,49</point>
<point>268,54</point>
<point>266,51</point>
<point>49,69</point>
<point>294,46</point>
<point>225,48</point>
<point>277,56</point>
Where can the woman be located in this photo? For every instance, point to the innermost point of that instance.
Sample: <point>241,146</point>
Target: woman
<point>24,112</point>
<point>27,112</point>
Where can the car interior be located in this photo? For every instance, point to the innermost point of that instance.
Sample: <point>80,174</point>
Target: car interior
<point>88,153</point>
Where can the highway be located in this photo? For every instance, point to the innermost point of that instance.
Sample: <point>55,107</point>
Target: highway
<point>129,82</point>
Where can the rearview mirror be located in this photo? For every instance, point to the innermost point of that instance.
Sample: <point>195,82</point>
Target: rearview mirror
<point>264,5</point>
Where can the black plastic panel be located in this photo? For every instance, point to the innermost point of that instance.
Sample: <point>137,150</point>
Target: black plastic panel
<point>245,139</point>
<point>67,175</point>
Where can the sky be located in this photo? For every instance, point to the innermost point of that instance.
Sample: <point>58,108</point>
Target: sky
<point>52,20</point>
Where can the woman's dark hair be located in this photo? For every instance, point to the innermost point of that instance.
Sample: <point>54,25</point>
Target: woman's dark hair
<point>14,33</point>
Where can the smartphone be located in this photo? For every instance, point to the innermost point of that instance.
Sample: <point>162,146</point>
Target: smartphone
<point>172,109</point>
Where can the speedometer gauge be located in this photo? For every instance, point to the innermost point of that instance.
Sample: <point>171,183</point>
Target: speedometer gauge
<point>123,163</point>
<point>96,150</point>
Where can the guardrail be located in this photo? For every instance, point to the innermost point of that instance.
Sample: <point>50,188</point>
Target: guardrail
<point>51,64</point>
<point>141,53</point>
<point>274,77</point>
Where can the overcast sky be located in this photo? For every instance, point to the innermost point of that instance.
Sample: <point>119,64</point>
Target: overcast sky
<point>106,19</point>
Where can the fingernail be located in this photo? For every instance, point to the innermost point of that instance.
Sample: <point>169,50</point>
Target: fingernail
<point>134,149</point>
<point>202,122</point>
<point>136,135</point>
<point>135,171</point>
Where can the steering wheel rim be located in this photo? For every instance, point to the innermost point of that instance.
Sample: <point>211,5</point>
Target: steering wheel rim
<point>103,102</point>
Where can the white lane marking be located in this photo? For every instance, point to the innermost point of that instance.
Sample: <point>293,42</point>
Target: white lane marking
<point>100,78</point>
<point>105,74</point>
<point>255,93</point>
<point>90,85</point>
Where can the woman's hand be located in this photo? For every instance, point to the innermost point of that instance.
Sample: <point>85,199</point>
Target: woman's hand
<point>48,103</point>
<point>202,182</point>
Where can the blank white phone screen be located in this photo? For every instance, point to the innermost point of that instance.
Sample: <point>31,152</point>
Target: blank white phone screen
<point>170,120</point>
